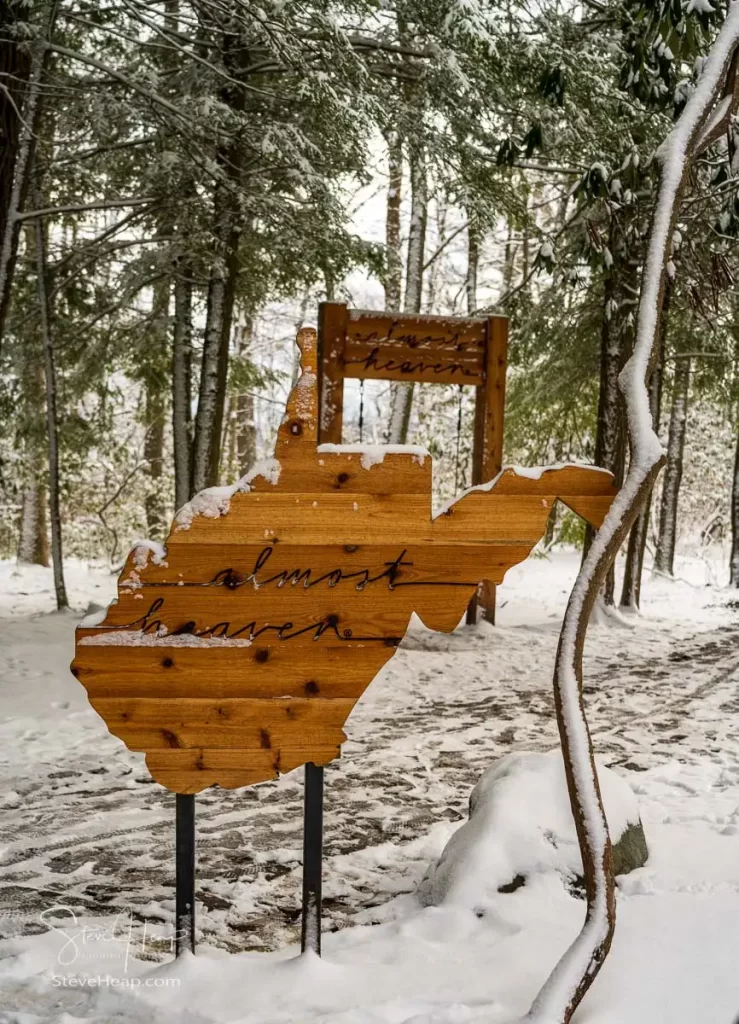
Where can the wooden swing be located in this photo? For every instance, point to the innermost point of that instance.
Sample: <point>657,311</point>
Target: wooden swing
<point>408,348</point>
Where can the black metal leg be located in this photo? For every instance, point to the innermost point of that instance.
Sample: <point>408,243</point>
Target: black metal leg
<point>312,858</point>
<point>185,873</point>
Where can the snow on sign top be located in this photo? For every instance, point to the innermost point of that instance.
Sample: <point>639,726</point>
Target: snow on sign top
<point>239,651</point>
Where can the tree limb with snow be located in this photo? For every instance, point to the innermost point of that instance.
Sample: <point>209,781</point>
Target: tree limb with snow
<point>705,117</point>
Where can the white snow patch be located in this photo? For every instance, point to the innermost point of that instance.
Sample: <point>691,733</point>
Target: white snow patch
<point>135,638</point>
<point>94,618</point>
<point>374,454</point>
<point>214,502</point>
<point>143,548</point>
<point>520,824</point>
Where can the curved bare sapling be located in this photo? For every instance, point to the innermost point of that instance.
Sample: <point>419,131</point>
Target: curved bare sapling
<point>705,118</point>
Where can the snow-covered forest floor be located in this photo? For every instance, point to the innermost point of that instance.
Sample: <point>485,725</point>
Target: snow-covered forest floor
<point>83,826</point>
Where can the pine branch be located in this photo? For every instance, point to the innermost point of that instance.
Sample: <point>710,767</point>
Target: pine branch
<point>118,76</point>
<point>102,204</point>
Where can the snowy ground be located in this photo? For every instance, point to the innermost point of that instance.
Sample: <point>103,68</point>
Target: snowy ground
<point>82,825</point>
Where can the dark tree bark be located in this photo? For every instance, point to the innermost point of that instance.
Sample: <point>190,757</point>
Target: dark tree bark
<point>212,396</point>
<point>55,515</point>
<point>734,565</point>
<point>155,413</point>
<point>33,541</point>
<point>155,408</point>
<point>228,229</point>
<point>403,393</point>
<point>182,384</point>
<point>665,555</point>
<point>393,257</point>
<point>246,430</point>
<point>634,567</point>
<point>473,262</point>
<point>16,160</point>
<point>509,260</point>
<point>615,349</point>
<point>15,69</point>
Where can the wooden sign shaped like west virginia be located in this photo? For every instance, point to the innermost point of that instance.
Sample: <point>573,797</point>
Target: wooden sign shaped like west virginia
<point>240,651</point>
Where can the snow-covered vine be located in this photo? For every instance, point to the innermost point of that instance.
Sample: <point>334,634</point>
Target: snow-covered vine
<point>705,116</point>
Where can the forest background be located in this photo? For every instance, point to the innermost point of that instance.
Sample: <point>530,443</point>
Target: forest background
<point>182,182</point>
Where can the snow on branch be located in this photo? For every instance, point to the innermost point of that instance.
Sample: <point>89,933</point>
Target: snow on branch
<point>705,116</point>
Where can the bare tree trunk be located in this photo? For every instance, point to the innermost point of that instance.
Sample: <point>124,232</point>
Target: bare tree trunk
<point>509,261</point>
<point>155,408</point>
<point>417,231</point>
<point>246,430</point>
<point>228,229</point>
<point>734,565</point>
<point>154,414</point>
<point>15,68</point>
<point>634,567</point>
<point>403,393</point>
<point>219,319</point>
<point>33,542</point>
<point>435,275</point>
<point>610,441</point>
<point>19,160</point>
<point>665,555</point>
<point>55,515</point>
<point>213,372</point>
<point>393,257</point>
<point>473,262</point>
<point>21,176</point>
<point>182,384</point>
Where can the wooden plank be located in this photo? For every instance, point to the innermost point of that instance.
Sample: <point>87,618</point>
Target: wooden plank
<point>264,670</point>
<point>243,724</point>
<point>191,771</point>
<point>332,327</point>
<point>416,331</point>
<point>383,362</point>
<point>343,471</point>
<point>435,350</point>
<point>300,618</point>
<point>389,519</point>
<point>591,508</point>
<point>325,567</point>
<point>558,480</point>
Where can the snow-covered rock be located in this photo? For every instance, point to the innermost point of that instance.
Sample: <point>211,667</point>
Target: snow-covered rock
<point>521,825</point>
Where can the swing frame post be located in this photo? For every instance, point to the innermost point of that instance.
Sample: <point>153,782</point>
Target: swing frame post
<point>310,933</point>
<point>487,452</point>
<point>184,873</point>
<point>473,351</point>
